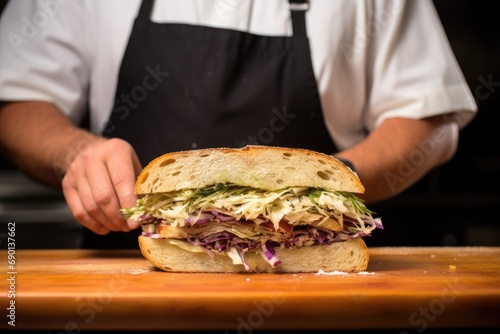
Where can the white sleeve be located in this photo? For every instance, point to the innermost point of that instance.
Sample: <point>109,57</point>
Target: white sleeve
<point>44,54</point>
<point>414,73</point>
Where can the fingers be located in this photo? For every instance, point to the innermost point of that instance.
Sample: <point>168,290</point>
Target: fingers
<point>80,213</point>
<point>123,176</point>
<point>99,182</point>
<point>74,194</point>
<point>99,197</point>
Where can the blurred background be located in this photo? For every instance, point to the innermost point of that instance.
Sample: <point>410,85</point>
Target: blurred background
<point>457,204</point>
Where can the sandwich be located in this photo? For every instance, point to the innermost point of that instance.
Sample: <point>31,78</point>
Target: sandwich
<point>253,209</point>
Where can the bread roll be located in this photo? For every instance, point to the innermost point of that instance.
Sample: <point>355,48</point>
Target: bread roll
<point>349,256</point>
<point>263,167</point>
<point>259,167</point>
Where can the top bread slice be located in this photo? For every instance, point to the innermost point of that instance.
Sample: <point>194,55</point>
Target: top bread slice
<point>264,167</point>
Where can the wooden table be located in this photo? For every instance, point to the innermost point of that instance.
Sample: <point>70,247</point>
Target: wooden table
<point>403,288</point>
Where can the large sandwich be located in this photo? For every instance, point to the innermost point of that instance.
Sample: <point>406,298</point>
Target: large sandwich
<point>257,209</point>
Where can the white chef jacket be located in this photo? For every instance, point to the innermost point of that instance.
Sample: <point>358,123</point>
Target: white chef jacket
<point>372,59</point>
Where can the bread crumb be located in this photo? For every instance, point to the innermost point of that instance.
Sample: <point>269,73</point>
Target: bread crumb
<point>433,256</point>
<point>452,267</point>
<point>248,279</point>
<point>331,273</point>
<point>139,271</point>
<point>366,273</point>
<point>341,273</point>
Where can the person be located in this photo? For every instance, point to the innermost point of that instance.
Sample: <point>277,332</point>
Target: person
<point>373,82</point>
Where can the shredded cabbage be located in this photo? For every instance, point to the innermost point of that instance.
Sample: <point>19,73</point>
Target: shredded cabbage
<point>234,219</point>
<point>292,204</point>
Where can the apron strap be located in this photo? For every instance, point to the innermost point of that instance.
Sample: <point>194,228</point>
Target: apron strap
<point>146,9</point>
<point>298,10</point>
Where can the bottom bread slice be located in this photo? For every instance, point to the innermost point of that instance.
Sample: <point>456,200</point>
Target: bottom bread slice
<point>349,256</point>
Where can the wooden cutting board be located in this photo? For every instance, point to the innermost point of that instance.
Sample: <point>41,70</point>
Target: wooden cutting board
<point>403,288</point>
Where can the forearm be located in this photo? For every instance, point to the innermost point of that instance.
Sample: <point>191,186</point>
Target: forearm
<point>41,140</point>
<point>399,153</point>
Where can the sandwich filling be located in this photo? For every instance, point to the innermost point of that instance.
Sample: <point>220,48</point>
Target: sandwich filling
<point>233,220</point>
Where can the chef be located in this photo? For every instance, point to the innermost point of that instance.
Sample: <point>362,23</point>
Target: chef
<point>373,82</point>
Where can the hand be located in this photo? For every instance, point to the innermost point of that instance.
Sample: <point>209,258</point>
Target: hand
<point>99,182</point>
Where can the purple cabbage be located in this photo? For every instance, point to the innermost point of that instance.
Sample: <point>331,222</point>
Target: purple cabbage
<point>197,218</point>
<point>270,253</point>
<point>222,217</point>
<point>301,235</point>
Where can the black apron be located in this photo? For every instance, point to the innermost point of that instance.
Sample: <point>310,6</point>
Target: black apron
<point>182,87</point>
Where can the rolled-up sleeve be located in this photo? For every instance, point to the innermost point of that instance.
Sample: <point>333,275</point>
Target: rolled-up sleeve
<point>414,71</point>
<point>45,55</point>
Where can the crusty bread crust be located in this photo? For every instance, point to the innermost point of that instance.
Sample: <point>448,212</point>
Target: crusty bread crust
<point>263,167</point>
<point>349,256</point>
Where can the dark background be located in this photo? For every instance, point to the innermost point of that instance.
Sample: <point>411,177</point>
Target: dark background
<point>456,204</point>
